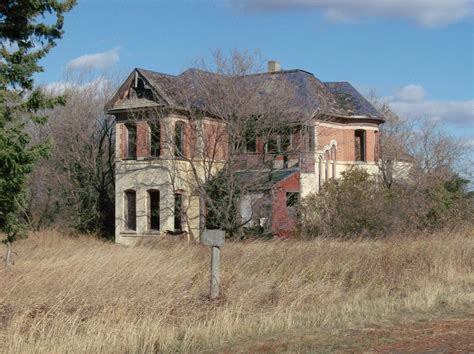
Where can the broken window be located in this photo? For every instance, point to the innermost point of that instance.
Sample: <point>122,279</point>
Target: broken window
<point>130,210</point>
<point>178,212</point>
<point>154,209</point>
<point>131,141</point>
<point>292,199</point>
<point>179,139</point>
<point>142,90</point>
<point>285,141</point>
<point>360,145</point>
<point>271,145</point>
<point>155,139</point>
<point>250,136</point>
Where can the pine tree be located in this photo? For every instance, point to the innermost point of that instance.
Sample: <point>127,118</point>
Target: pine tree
<point>24,41</point>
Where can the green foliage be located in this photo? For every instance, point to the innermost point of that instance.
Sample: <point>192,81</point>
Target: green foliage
<point>24,42</point>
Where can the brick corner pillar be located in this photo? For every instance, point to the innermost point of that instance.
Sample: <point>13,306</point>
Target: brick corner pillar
<point>143,140</point>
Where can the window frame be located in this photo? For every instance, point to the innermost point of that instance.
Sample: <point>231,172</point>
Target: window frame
<point>151,219</point>
<point>130,219</point>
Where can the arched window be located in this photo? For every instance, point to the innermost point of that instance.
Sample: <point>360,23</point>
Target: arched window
<point>154,209</point>
<point>130,210</point>
<point>320,172</point>
<point>155,139</point>
<point>179,139</point>
<point>326,165</point>
<point>333,158</point>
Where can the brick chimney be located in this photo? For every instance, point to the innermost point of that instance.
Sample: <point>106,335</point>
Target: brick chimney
<point>273,66</point>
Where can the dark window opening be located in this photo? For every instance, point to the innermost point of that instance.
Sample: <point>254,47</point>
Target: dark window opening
<point>142,90</point>
<point>285,142</point>
<point>292,199</point>
<point>178,212</point>
<point>360,145</point>
<point>272,145</point>
<point>155,139</point>
<point>154,211</point>
<point>310,131</point>
<point>179,139</point>
<point>250,136</point>
<point>130,210</point>
<point>131,141</point>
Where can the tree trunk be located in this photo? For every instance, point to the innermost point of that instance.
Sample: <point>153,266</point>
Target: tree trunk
<point>8,257</point>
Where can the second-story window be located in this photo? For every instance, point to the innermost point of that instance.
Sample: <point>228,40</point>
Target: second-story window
<point>360,149</point>
<point>155,139</point>
<point>179,139</point>
<point>131,146</point>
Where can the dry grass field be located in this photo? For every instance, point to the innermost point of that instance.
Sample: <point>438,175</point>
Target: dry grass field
<point>79,294</point>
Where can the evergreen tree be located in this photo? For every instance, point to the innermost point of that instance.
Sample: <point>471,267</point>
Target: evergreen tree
<point>28,31</point>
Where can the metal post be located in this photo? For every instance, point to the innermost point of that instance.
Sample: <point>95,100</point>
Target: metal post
<point>215,277</point>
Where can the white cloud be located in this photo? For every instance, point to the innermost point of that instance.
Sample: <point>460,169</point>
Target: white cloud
<point>94,61</point>
<point>410,102</point>
<point>428,13</point>
<point>99,84</point>
<point>410,93</point>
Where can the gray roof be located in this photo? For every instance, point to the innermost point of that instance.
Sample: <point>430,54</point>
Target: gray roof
<point>353,102</point>
<point>310,95</point>
<point>264,180</point>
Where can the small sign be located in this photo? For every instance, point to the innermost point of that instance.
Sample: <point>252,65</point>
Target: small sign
<point>214,238</point>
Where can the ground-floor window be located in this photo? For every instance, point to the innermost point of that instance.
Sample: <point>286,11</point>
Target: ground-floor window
<point>154,209</point>
<point>178,212</point>
<point>130,210</point>
<point>292,199</point>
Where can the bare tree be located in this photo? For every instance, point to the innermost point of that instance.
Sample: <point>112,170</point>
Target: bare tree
<point>75,186</point>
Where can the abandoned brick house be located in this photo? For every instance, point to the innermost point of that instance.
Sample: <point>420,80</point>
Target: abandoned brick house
<point>151,201</point>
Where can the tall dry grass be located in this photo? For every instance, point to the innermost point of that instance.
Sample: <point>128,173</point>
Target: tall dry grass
<point>69,294</point>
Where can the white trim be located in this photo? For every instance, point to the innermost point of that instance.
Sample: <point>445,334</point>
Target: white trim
<point>347,126</point>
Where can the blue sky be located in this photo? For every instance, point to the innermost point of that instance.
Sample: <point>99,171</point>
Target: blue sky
<point>419,54</point>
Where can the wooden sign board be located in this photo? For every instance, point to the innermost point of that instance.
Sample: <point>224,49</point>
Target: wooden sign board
<point>214,238</point>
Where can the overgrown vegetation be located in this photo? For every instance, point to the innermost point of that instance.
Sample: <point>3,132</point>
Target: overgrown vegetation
<point>360,204</point>
<point>78,294</point>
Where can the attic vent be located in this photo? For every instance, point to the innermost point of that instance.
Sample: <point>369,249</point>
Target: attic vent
<point>143,90</point>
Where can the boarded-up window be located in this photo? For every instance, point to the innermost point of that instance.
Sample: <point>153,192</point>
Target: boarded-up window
<point>292,199</point>
<point>360,154</point>
<point>155,139</point>
<point>130,210</point>
<point>178,212</point>
<point>179,139</point>
<point>154,209</point>
<point>131,141</point>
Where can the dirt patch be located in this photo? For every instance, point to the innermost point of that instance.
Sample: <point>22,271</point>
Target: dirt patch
<point>434,336</point>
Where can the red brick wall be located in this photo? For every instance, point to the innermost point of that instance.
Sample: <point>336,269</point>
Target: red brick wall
<point>143,140</point>
<point>346,142</point>
<point>282,222</point>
